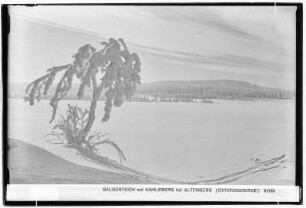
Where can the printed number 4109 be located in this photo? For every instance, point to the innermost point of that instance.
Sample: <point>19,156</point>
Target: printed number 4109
<point>269,190</point>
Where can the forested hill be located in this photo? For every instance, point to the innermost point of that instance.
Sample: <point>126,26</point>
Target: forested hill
<point>213,89</point>
<point>210,89</point>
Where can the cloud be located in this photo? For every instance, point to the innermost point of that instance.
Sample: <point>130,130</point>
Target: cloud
<point>202,18</point>
<point>218,59</point>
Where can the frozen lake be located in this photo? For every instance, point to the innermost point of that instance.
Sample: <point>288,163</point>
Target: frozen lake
<point>183,141</point>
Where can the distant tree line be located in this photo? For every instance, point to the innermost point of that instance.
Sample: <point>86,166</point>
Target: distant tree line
<point>188,96</point>
<point>167,99</point>
<point>220,93</point>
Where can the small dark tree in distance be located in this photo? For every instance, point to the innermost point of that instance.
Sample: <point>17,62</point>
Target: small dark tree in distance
<point>112,71</point>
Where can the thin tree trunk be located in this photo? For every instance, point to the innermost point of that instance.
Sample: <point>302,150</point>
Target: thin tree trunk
<point>92,110</point>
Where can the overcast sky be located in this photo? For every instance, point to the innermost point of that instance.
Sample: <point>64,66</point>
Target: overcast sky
<point>254,44</point>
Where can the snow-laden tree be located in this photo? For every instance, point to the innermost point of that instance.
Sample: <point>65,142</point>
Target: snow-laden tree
<point>112,72</point>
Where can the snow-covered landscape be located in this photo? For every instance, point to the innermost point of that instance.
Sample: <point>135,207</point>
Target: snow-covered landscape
<point>186,142</point>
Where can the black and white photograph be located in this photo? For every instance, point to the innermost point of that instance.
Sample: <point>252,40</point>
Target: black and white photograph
<point>127,95</point>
